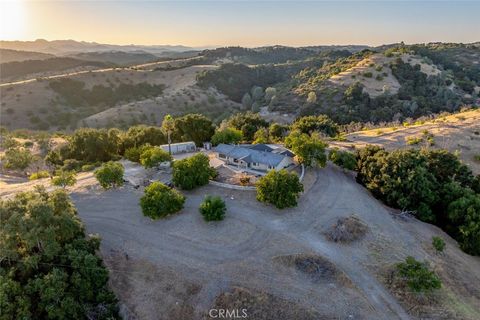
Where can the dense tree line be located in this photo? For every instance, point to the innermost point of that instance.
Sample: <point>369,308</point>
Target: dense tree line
<point>21,68</point>
<point>234,80</point>
<point>73,92</point>
<point>454,57</point>
<point>48,267</point>
<point>264,55</point>
<point>248,123</point>
<point>432,183</point>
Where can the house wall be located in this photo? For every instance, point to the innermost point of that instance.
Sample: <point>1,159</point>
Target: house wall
<point>284,163</point>
<point>180,148</point>
<point>260,166</point>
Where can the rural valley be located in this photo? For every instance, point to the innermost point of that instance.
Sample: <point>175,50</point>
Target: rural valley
<point>266,182</point>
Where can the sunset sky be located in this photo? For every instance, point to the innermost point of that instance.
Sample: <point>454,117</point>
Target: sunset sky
<point>245,23</point>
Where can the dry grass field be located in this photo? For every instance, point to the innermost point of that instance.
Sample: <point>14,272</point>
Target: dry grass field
<point>458,133</point>
<point>381,79</point>
<point>34,99</point>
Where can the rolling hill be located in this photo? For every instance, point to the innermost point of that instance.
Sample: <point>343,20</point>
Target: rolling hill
<point>7,55</point>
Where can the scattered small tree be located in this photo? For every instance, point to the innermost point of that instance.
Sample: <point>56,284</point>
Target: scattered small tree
<point>133,154</point>
<point>192,172</point>
<point>64,179</point>
<point>438,243</point>
<point>153,156</point>
<point>417,276</point>
<point>110,175</point>
<point>261,136</point>
<point>312,97</point>
<point>213,208</point>
<point>160,201</point>
<point>280,188</point>
<point>309,150</point>
<point>344,159</point>
<point>39,175</point>
<point>168,125</point>
<point>228,136</point>
<point>17,158</point>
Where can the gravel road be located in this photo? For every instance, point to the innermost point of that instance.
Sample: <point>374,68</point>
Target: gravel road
<point>239,250</point>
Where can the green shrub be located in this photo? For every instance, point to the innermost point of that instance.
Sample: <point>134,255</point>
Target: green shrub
<point>160,201</point>
<point>64,179</point>
<point>133,153</point>
<point>435,184</point>
<point>110,175</point>
<point>88,167</point>
<point>367,74</point>
<point>344,159</point>
<point>153,156</point>
<point>192,172</point>
<point>477,157</point>
<point>417,276</point>
<point>17,158</point>
<point>39,175</point>
<point>62,276</point>
<point>227,136</point>
<point>9,142</point>
<point>309,150</point>
<point>438,243</point>
<point>213,208</point>
<point>72,165</point>
<point>310,124</point>
<point>413,140</point>
<point>280,188</point>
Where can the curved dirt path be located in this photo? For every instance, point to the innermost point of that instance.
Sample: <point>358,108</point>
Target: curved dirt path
<point>239,250</point>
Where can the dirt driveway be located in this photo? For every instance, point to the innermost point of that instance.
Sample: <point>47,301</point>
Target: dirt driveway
<point>240,250</point>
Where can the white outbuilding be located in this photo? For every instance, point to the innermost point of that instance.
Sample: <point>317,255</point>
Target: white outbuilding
<point>181,147</point>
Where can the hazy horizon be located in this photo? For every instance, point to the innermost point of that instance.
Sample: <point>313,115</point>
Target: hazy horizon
<point>244,23</point>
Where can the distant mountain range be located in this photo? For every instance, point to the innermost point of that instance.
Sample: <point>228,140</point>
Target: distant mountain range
<point>69,47</point>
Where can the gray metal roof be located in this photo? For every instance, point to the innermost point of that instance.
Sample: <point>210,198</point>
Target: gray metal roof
<point>260,147</point>
<point>249,155</point>
<point>188,143</point>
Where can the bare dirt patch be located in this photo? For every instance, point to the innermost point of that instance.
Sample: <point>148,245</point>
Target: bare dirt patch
<point>373,73</point>
<point>260,305</point>
<point>315,267</point>
<point>149,291</point>
<point>346,230</point>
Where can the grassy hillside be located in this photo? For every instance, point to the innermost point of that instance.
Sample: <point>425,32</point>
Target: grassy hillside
<point>113,97</point>
<point>7,55</point>
<point>22,68</point>
<point>117,57</point>
<point>459,133</point>
<point>382,84</point>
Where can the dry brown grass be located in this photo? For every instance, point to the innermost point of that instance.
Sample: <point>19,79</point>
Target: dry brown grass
<point>315,267</point>
<point>150,292</point>
<point>263,306</point>
<point>347,230</point>
<point>458,133</point>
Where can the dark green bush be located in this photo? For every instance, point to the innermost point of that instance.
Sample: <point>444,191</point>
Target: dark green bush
<point>160,201</point>
<point>67,279</point>
<point>432,183</point>
<point>110,175</point>
<point>280,188</point>
<point>153,156</point>
<point>344,159</point>
<point>192,172</point>
<point>213,208</point>
<point>438,243</point>
<point>417,276</point>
